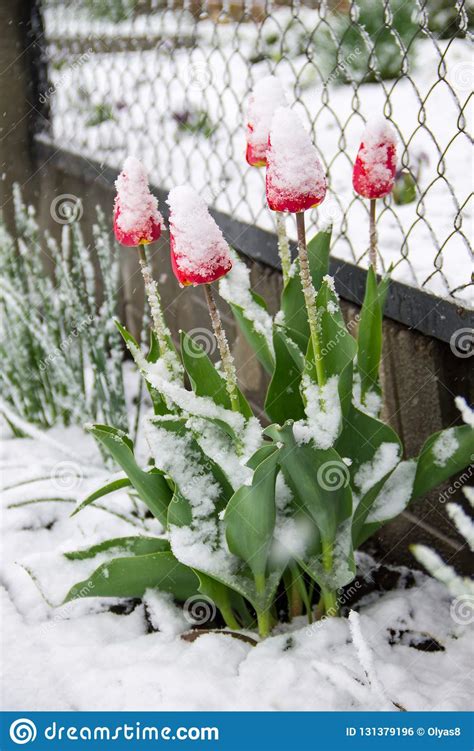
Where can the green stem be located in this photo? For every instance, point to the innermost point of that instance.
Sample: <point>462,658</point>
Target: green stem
<point>295,603</point>
<point>159,326</point>
<point>329,596</point>
<point>330,603</point>
<point>138,411</point>
<point>225,608</point>
<point>229,617</point>
<point>304,594</point>
<point>373,263</point>
<point>263,616</point>
<point>224,349</point>
<point>310,298</point>
<point>373,236</point>
<point>297,591</point>
<point>283,247</point>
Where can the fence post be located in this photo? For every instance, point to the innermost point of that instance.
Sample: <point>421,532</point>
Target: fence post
<point>23,77</point>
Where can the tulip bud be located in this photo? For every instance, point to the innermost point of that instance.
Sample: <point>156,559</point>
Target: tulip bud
<point>265,98</point>
<point>199,252</point>
<point>375,165</point>
<point>137,220</point>
<point>295,176</point>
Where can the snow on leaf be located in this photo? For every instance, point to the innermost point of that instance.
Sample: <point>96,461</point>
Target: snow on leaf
<point>235,288</point>
<point>395,494</point>
<point>322,425</point>
<point>444,447</point>
<point>384,460</point>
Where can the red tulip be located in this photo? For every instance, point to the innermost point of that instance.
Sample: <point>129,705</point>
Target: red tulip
<point>199,252</point>
<point>255,155</point>
<point>266,97</point>
<point>137,220</point>
<point>376,162</point>
<point>295,177</point>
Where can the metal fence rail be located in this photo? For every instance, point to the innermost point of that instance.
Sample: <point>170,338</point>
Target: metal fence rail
<point>169,82</point>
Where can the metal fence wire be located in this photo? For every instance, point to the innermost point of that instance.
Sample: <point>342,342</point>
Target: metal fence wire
<point>169,83</point>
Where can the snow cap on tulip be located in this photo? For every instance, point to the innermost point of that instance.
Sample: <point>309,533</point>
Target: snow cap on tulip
<point>295,176</point>
<point>199,252</point>
<point>265,98</point>
<point>376,162</point>
<point>137,220</point>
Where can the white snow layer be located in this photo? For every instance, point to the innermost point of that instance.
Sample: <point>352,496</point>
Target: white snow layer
<point>235,288</point>
<point>137,205</point>
<point>83,656</point>
<point>395,494</point>
<point>378,136</point>
<point>384,460</point>
<point>266,97</point>
<point>294,168</point>
<point>467,413</point>
<point>323,411</point>
<point>199,244</point>
<point>445,447</point>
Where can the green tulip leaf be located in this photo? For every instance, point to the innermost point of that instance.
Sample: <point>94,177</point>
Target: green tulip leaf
<point>151,487</point>
<point>292,301</point>
<point>256,339</point>
<point>283,400</point>
<point>205,379</point>
<point>106,489</point>
<point>444,454</point>
<point>250,517</point>
<point>128,545</point>
<point>319,478</point>
<point>132,576</point>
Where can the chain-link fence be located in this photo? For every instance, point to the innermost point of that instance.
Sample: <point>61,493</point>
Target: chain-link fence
<point>169,82</point>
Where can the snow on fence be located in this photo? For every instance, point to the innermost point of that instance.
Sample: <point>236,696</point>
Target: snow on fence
<point>168,82</point>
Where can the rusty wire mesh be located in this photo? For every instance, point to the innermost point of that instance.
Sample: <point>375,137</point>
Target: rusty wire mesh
<point>169,83</point>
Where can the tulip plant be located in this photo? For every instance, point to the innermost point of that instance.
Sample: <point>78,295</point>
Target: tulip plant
<point>255,516</point>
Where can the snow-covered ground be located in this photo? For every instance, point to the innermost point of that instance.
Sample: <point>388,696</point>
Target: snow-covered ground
<point>147,95</point>
<point>85,656</point>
